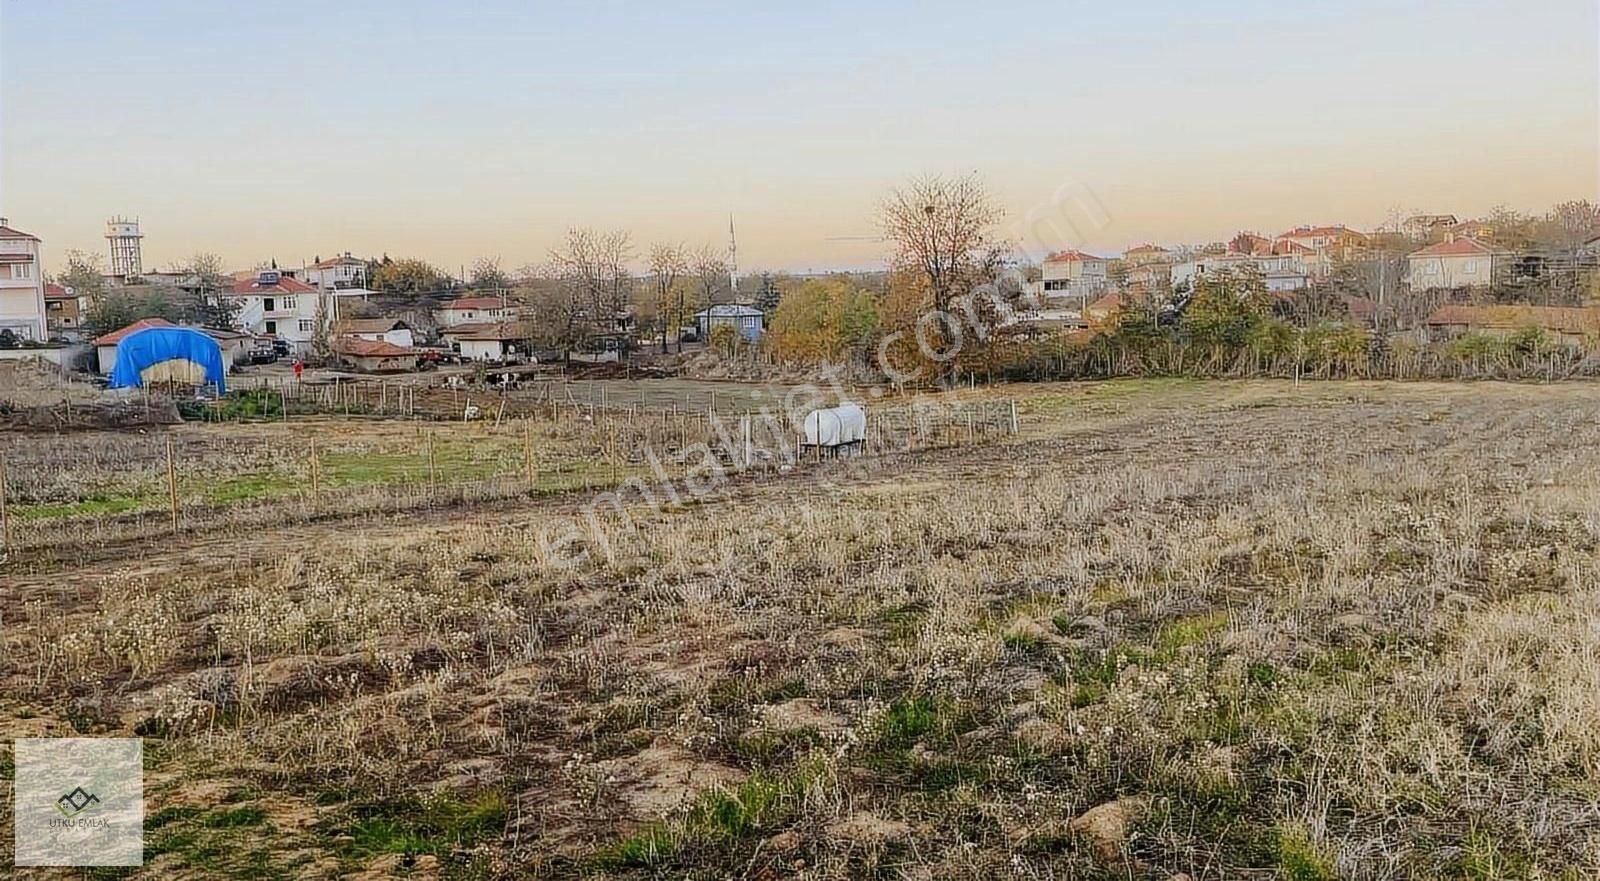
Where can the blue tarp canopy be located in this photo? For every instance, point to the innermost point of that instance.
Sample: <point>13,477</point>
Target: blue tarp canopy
<point>147,348</point>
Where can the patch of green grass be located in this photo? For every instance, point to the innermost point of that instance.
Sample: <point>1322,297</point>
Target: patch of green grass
<point>1299,858</point>
<point>433,826</point>
<point>1483,858</point>
<point>760,805</point>
<point>251,486</point>
<point>1187,631</point>
<point>96,506</point>
<point>235,817</point>
<point>908,720</point>
<point>903,624</point>
<point>1261,673</point>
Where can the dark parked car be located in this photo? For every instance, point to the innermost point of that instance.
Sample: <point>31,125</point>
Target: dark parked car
<point>263,352</point>
<point>281,347</point>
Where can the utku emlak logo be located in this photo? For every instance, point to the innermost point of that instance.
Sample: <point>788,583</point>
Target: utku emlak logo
<point>76,802</point>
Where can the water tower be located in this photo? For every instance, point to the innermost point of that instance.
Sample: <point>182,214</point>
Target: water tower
<point>123,236</point>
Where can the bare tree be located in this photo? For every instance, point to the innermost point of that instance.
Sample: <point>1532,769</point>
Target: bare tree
<point>595,281</point>
<point>711,273</point>
<point>488,276</point>
<point>667,268</point>
<point>1570,225</point>
<point>943,229</point>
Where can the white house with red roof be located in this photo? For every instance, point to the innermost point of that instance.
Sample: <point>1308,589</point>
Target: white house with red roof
<point>1073,273</point>
<point>1454,263</point>
<point>22,308</point>
<point>337,273</point>
<point>273,304</point>
<point>473,310</point>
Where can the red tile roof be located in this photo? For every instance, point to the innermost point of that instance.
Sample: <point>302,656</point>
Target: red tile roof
<point>285,285</point>
<point>360,348</point>
<point>1305,232</point>
<point>1454,248</point>
<point>350,326</point>
<point>331,262</point>
<point>1071,255</point>
<point>116,336</point>
<point>475,303</point>
<point>492,331</point>
<point>53,291</point>
<point>7,232</point>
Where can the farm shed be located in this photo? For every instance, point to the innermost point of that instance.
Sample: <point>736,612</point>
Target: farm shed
<point>374,356</point>
<point>168,354</point>
<point>388,330</point>
<point>105,347</point>
<point>491,341</point>
<point>1569,325</point>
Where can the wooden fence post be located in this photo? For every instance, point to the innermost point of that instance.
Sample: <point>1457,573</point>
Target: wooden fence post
<point>527,456</point>
<point>316,471</point>
<point>1013,416</point>
<point>5,516</point>
<point>172,486</point>
<point>432,470</point>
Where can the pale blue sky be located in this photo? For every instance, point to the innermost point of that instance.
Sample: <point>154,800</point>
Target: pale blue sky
<point>450,130</point>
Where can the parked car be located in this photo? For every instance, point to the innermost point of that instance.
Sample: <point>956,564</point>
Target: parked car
<point>281,347</point>
<point>263,352</point>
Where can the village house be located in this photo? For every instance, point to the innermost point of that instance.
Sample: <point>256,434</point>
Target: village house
<point>496,341</point>
<point>1421,227</point>
<point>373,356</point>
<point>1572,326</point>
<point>389,330</point>
<point>1145,254</point>
<point>22,306</point>
<point>343,272</point>
<point>1279,272</point>
<point>748,321</point>
<point>273,304</point>
<point>63,313</point>
<point>1073,273</point>
<point>1454,263</point>
<point>472,310</point>
<point>1105,311</point>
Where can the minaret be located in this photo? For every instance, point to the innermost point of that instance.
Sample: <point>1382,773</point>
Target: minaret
<point>733,261</point>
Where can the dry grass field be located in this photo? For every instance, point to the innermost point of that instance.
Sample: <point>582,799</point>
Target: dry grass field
<point>1214,630</point>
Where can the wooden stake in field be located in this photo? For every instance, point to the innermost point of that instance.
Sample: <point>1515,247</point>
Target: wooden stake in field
<point>172,486</point>
<point>527,456</point>
<point>5,516</point>
<point>1013,416</point>
<point>316,470</point>
<point>433,472</point>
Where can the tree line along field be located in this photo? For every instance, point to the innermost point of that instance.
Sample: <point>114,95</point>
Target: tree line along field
<point>1221,630</point>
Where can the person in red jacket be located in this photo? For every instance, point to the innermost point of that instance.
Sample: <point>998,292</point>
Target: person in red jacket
<point>299,368</point>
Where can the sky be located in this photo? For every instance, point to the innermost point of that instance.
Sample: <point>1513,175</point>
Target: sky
<point>452,130</point>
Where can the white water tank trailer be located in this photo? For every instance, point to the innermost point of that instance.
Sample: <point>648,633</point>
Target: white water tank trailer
<point>844,426</point>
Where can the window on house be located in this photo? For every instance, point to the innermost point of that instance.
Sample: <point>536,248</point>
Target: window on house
<point>288,302</point>
<point>305,325</point>
<point>272,327</point>
<point>269,305</point>
<point>1471,267</point>
<point>22,270</point>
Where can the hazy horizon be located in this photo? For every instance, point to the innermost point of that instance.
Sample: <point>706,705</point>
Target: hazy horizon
<point>449,132</point>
